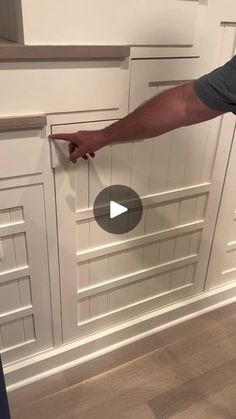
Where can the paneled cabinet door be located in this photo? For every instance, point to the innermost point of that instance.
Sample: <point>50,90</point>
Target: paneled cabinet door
<point>108,279</point>
<point>25,316</point>
<point>222,266</point>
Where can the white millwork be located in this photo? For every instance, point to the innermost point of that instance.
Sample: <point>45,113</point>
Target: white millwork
<point>178,176</point>
<point>222,267</point>
<point>38,87</point>
<point>112,289</point>
<point>125,22</point>
<point>25,304</point>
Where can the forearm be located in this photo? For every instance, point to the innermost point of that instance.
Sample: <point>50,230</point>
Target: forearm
<point>171,109</point>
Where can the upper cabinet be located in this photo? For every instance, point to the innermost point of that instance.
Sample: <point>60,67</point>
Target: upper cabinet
<point>133,22</point>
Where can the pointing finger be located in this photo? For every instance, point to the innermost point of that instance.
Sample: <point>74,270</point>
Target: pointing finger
<point>63,137</point>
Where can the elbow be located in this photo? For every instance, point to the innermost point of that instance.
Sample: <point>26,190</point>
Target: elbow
<point>195,111</point>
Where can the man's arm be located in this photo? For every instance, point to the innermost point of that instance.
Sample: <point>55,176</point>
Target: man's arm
<point>174,108</point>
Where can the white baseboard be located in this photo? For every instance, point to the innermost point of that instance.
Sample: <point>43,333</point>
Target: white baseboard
<point>51,362</point>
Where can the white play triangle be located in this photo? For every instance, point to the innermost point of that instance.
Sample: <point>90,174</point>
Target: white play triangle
<point>116,209</point>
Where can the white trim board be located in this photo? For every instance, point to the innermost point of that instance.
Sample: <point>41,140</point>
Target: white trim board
<point>51,362</point>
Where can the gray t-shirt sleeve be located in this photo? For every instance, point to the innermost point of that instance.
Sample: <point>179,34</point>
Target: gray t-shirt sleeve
<point>218,88</point>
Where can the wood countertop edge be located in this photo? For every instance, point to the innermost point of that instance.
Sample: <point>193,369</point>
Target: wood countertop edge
<point>18,123</point>
<point>17,52</point>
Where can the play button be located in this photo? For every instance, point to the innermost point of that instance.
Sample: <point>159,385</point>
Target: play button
<point>118,209</point>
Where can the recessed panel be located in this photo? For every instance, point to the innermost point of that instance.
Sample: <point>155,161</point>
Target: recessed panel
<point>129,261</point>
<point>13,252</point>
<point>21,152</point>
<point>121,297</point>
<point>15,295</point>
<point>17,333</point>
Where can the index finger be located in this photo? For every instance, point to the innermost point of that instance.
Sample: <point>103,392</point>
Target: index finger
<point>63,137</point>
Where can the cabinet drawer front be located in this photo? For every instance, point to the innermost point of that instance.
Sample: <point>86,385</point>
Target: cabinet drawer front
<point>151,77</point>
<point>21,153</point>
<point>64,87</point>
<point>129,22</point>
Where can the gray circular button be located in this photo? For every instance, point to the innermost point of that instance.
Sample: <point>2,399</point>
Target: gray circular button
<point>118,209</point>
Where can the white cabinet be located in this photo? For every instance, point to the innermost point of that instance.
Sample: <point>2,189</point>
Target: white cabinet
<point>222,264</point>
<point>132,22</point>
<point>107,279</point>
<point>192,157</point>
<point>222,268</point>
<point>25,300</point>
<point>25,313</point>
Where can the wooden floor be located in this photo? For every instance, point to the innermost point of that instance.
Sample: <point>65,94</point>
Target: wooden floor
<point>192,374</point>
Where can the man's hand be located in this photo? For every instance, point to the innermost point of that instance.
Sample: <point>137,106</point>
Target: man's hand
<point>82,143</point>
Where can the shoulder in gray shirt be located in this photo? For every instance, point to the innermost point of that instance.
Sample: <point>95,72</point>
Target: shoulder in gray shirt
<point>218,88</point>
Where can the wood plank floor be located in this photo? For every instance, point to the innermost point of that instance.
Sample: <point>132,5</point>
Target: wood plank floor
<point>190,375</point>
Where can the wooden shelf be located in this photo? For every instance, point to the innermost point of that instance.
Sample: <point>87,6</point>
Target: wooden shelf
<point>12,52</point>
<point>18,123</point>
